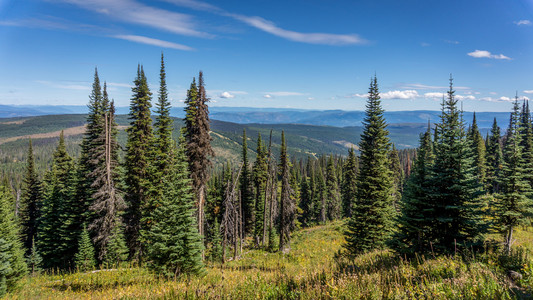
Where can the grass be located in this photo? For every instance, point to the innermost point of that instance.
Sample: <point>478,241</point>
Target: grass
<point>311,270</point>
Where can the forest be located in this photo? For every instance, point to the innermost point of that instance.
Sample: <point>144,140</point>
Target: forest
<point>162,217</point>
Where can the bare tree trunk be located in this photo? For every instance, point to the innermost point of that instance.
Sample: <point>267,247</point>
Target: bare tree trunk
<point>509,240</point>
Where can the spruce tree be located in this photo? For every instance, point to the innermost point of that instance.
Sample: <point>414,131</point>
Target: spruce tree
<point>259,175</point>
<point>417,215</point>
<point>34,259</point>
<point>198,148</point>
<point>514,203</point>
<point>526,142</point>
<point>494,158</point>
<point>478,150</point>
<point>30,201</point>
<point>12,264</point>
<point>84,259</point>
<point>349,183</point>
<point>397,175</point>
<point>138,147</point>
<point>174,245</point>
<point>334,208</point>
<point>58,229</point>
<point>371,223</point>
<point>116,250</point>
<point>286,203</point>
<point>247,197</point>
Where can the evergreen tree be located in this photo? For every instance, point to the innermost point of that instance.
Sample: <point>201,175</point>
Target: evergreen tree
<point>84,259</point>
<point>457,209</point>
<point>397,175</point>
<point>259,175</point>
<point>494,158</point>
<point>478,149</point>
<point>349,184</point>
<point>175,247</point>
<point>30,201</point>
<point>514,204</point>
<point>417,217</point>
<point>287,205</point>
<point>321,199</point>
<point>333,194</point>
<point>116,249</point>
<point>58,229</point>
<point>247,196</point>
<point>12,264</point>
<point>526,142</point>
<point>198,148</point>
<point>137,157</point>
<point>216,249</point>
<point>34,260</point>
<point>371,223</point>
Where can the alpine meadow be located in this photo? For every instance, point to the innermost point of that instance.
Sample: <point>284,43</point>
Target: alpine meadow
<point>329,151</point>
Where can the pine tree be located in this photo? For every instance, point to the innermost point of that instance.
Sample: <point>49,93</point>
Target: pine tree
<point>514,204</point>
<point>58,229</point>
<point>349,184</point>
<point>333,196</point>
<point>198,148</point>
<point>478,149</point>
<point>371,223</point>
<point>30,201</point>
<point>494,158</point>
<point>107,201</point>
<point>457,208</point>
<point>12,264</point>
<point>175,247</point>
<point>287,205</point>
<point>137,157</point>
<point>247,196</point>
<point>84,259</point>
<point>417,215</point>
<point>259,175</point>
<point>116,249</point>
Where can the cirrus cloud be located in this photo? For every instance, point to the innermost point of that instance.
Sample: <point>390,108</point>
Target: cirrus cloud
<point>522,22</point>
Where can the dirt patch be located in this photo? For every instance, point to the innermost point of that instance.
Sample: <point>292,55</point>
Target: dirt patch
<point>66,132</point>
<point>17,122</point>
<point>346,144</point>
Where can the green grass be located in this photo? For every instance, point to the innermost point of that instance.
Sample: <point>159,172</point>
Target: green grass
<point>310,271</point>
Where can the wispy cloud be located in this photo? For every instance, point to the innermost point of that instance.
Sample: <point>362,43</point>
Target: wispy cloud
<point>434,95</point>
<point>284,94</point>
<point>227,95</point>
<point>528,91</point>
<point>153,42</point>
<point>465,97</point>
<point>501,99</point>
<point>267,96</point>
<point>78,87</point>
<point>419,86</point>
<point>118,84</point>
<point>131,11</point>
<point>424,44</point>
<point>487,54</point>
<point>452,42</point>
<point>407,94</point>
<point>522,22</point>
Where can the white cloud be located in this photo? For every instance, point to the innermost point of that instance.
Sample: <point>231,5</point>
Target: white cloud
<point>504,98</point>
<point>434,95</point>
<point>419,86</point>
<point>153,42</point>
<point>117,84</point>
<point>284,94</point>
<point>522,22</point>
<point>310,38</point>
<point>267,96</point>
<point>78,87</point>
<point>487,54</point>
<point>358,95</point>
<point>227,95</point>
<point>131,11</point>
<point>528,91</point>
<point>310,98</point>
<point>452,42</point>
<point>407,94</point>
<point>462,97</point>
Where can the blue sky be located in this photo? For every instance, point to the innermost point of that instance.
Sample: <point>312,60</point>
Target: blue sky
<point>314,54</point>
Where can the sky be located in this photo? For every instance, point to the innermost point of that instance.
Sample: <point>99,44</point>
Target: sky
<point>307,54</point>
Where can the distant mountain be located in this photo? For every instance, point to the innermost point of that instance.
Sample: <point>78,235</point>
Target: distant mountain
<point>248,115</point>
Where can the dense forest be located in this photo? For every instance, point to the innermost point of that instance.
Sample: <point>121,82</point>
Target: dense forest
<point>163,204</point>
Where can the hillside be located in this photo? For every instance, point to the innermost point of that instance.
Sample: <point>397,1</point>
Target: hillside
<point>309,271</point>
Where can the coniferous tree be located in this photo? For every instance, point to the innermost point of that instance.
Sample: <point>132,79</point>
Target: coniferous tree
<point>321,196</point>
<point>494,158</point>
<point>137,157</point>
<point>58,229</point>
<point>333,196</point>
<point>34,260</point>
<point>287,205</point>
<point>198,148</point>
<point>116,250</point>
<point>478,149</point>
<point>30,201</point>
<point>514,203</point>
<point>349,184</point>
<point>526,131</point>
<point>12,264</point>
<point>397,175</point>
<point>84,259</point>
<point>175,246</point>
<point>247,197</point>
<point>371,223</point>
<point>259,175</point>
<point>417,216</point>
<point>457,209</point>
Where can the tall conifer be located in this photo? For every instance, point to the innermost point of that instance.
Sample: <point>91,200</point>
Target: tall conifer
<point>478,150</point>
<point>248,203</point>
<point>287,201</point>
<point>334,208</point>
<point>349,184</point>
<point>259,175</point>
<point>494,158</point>
<point>31,198</point>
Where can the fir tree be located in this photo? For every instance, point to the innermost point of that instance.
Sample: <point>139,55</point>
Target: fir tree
<point>84,259</point>
<point>514,204</point>
<point>371,223</point>
<point>494,158</point>
<point>58,229</point>
<point>137,157</point>
<point>30,201</point>
<point>287,205</point>
<point>198,148</point>
<point>349,184</point>
<point>478,149</point>
<point>34,260</point>
<point>12,264</point>
<point>216,248</point>
<point>397,175</point>
<point>333,194</point>
<point>526,142</point>
<point>175,247</point>
<point>116,249</point>
<point>247,196</point>
<point>259,175</point>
